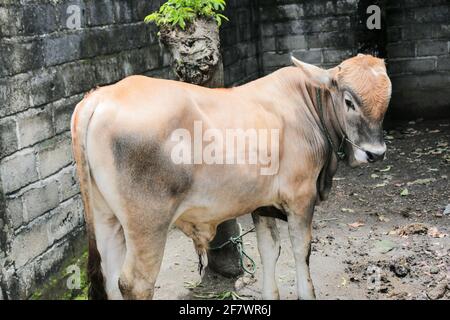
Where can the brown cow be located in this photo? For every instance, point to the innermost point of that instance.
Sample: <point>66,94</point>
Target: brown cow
<point>142,166</point>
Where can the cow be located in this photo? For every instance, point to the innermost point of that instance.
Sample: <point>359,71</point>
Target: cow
<point>133,189</point>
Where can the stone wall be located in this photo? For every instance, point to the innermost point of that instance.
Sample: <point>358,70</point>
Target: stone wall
<point>240,42</point>
<point>419,57</point>
<point>44,70</point>
<point>414,38</point>
<point>320,32</point>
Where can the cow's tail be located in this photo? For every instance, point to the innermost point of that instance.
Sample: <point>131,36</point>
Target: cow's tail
<point>79,127</point>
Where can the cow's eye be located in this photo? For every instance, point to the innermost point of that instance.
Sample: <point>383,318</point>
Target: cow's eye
<point>349,104</point>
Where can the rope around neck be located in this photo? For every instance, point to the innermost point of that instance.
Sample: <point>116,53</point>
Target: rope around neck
<point>340,151</point>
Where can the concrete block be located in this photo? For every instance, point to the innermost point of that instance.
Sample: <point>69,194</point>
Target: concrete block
<point>54,155</point>
<point>14,211</point>
<point>432,47</point>
<point>29,244</point>
<point>40,199</point>
<point>313,56</point>
<point>401,50</point>
<point>68,186</point>
<point>8,136</point>
<point>34,126</point>
<point>18,170</point>
<point>66,218</point>
<point>291,43</point>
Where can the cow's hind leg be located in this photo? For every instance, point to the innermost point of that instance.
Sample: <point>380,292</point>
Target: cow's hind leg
<point>145,241</point>
<point>110,242</point>
<point>269,249</point>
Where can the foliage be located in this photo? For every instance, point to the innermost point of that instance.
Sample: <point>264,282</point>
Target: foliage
<point>181,12</point>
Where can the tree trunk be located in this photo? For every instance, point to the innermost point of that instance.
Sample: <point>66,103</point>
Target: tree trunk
<point>196,59</point>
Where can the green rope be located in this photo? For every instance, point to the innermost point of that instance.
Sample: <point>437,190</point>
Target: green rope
<point>340,153</point>
<point>237,241</point>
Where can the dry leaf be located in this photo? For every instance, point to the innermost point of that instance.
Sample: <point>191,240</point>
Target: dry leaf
<point>435,233</point>
<point>413,228</point>
<point>404,192</point>
<point>356,224</point>
<point>421,181</point>
<point>382,218</point>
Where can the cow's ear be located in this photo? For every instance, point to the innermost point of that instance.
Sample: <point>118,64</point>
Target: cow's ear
<point>317,75</point>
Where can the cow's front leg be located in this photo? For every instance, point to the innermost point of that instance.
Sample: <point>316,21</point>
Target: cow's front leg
<point>300,215</point>
<point>269,250</point>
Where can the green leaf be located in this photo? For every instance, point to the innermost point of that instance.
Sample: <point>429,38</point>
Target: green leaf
<point>181,12</point>
<point>384,246</point>
<point>182,23</point>
<point>404,192</point>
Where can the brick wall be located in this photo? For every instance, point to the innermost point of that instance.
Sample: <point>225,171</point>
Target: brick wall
<point>419,57</point>
<point>320,32</point>
<point>240,42</point>
<point>44,70</point>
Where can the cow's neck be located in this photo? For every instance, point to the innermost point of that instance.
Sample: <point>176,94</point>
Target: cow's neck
<point>289,88</point>
<point>327,112</point>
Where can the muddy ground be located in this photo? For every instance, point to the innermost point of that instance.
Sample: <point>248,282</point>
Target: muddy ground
<point>382,234</point>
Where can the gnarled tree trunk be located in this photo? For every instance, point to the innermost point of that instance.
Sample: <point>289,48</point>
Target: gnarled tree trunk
<point>196,59</point>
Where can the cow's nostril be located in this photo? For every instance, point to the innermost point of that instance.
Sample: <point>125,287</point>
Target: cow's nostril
<point>372,157</point>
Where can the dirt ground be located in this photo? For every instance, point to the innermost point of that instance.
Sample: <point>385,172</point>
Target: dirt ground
<point>383,233</point>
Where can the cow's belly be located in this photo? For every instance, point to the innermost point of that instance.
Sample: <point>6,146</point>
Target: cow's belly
<point>211,202</point>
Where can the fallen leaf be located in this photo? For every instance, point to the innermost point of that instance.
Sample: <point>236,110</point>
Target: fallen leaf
<point>388,168</point>
<point>421,181</point>
<point>347,210</point>
<point>192,284</point>
<point>413,228</point>
<point>435,233</point>
<point>404,192</point>
<point>374,176</point>
<point>382,218</point>
<point>356,224</point>
<point>384,246</point>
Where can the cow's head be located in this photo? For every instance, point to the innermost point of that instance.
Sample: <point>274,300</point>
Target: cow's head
<point>361,90</point>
